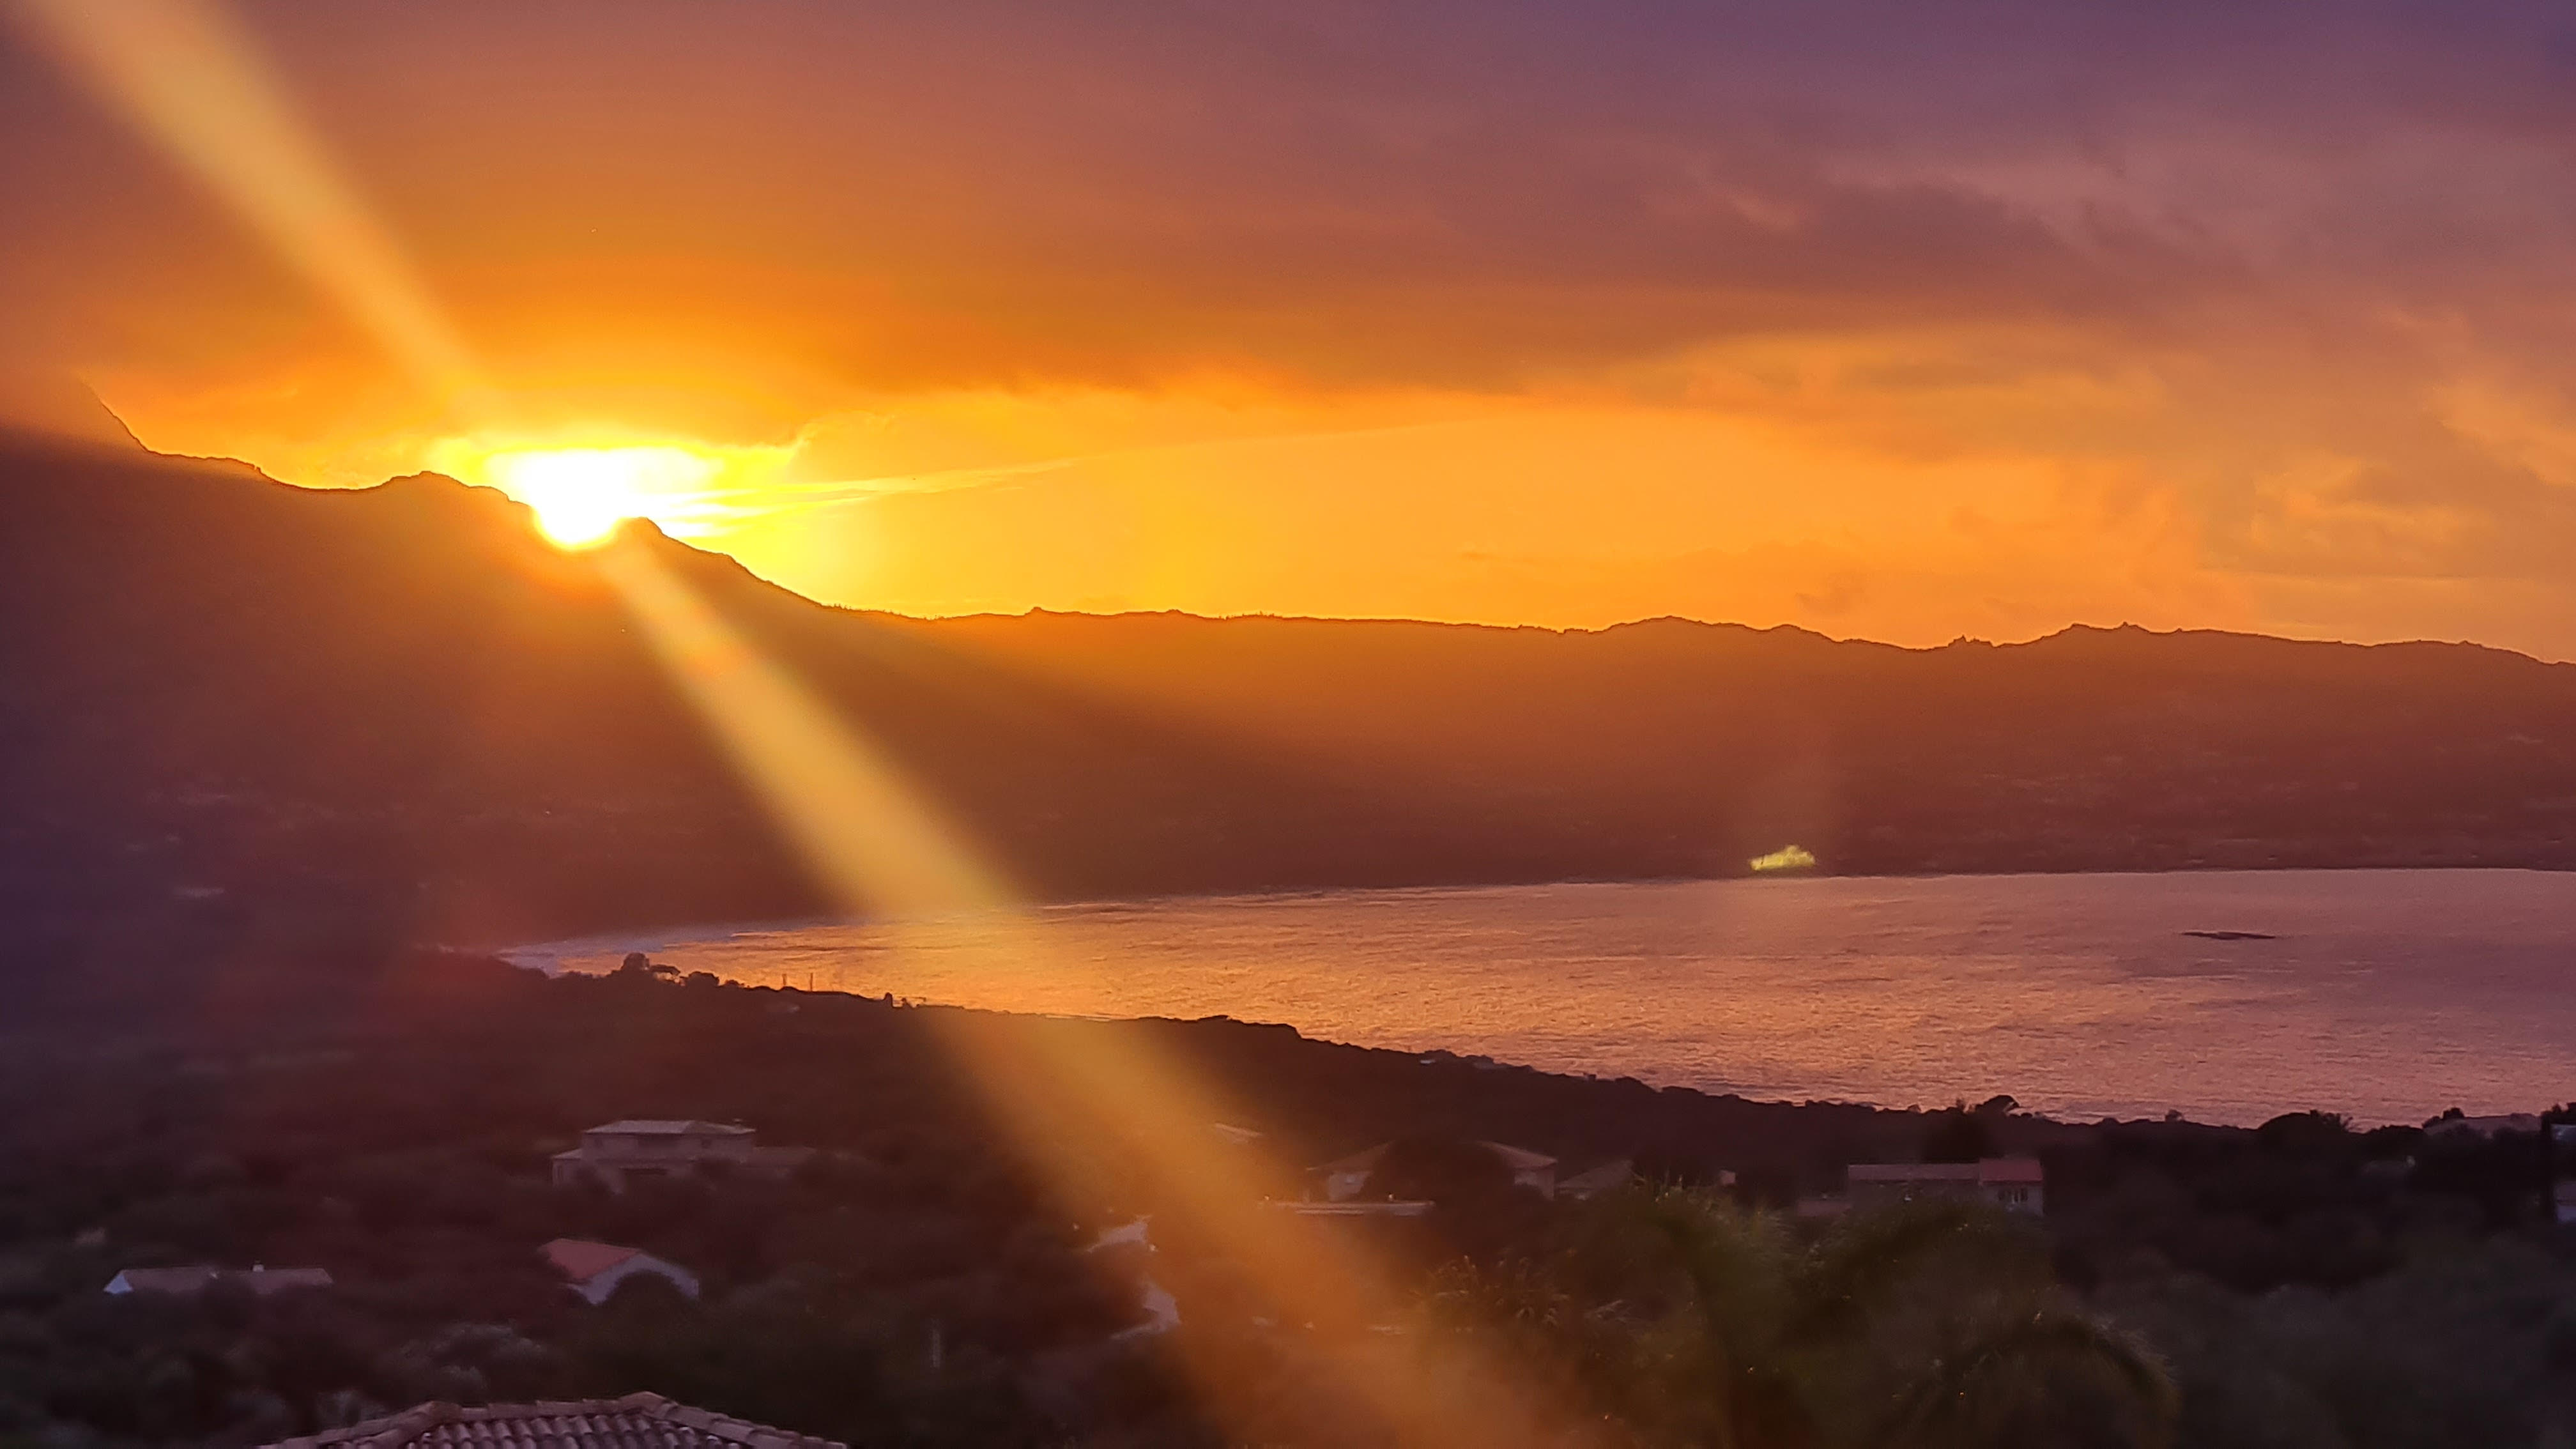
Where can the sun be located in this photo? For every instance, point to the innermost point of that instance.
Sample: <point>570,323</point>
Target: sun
<point>580,495</point>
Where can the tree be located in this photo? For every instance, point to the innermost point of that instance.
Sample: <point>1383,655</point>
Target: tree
<point>637,965</point>
<point>1958,1135</point>
<point>1936,1325</point>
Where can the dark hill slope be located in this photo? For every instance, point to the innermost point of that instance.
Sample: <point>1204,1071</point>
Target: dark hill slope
<point>232,706</point>
<point>1673,744</point>
<point>236,711</point>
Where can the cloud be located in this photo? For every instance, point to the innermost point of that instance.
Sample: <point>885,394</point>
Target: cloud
<point>2281,280</point>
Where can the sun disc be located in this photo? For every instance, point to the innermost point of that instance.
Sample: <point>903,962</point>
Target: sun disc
<point>581,495</point>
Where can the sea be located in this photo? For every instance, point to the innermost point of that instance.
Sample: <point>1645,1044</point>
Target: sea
<point>2385,995</point>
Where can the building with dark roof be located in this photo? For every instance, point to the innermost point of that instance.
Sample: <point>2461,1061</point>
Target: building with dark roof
<point>1346,1178</point>
<point>637,1421</point>
<point>2015,1184</point>
<point>618,1153</point>
<point>259,1278</point>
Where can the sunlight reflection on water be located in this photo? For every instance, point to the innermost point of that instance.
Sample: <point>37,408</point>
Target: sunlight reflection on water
<point>2387,994</point>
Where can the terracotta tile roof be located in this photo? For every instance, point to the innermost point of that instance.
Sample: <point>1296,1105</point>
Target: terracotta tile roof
<point>638,1421</point>
<point>582,1261</point>
<point>2010,1170</point>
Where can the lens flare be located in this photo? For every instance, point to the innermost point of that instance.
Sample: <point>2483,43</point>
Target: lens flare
<point>1098,1109</point>
<point>1787,857</point>
<point>580,495</point>
<point>187,77</point>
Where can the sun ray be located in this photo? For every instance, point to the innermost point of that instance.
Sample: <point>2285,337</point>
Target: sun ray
<point>1074,1103</point>
<point>186,75</point>
<point>580,495</point>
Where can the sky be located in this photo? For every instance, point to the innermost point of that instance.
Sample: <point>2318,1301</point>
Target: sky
<point>1892,321</point>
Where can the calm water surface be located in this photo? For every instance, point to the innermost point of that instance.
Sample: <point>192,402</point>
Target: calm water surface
<point>2386,994</point>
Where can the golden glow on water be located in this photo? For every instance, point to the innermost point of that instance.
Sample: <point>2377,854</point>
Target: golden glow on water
<point>2387,994</point>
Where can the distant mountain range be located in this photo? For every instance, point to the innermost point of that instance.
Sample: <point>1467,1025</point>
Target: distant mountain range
<point>236,711</point>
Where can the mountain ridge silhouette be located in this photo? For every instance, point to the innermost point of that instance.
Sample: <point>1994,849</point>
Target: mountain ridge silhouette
<point>239,712</point>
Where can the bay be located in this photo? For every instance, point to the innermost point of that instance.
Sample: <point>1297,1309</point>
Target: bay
<point>2387,995</point>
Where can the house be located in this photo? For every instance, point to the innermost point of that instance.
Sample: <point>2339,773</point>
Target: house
<point>2566,1200</point>
<point>1386,1207</point>
<point>2015,1184</point>
<point>1346,1178</point>
<point>595,1269</point>
<point>259,1278</point>
<point>1593,1182</point>
<point>1162,1311</point>
<point>621,1152</point>
<point>2482,1127</point>
<point>1533,1170</point>
<point>1615,1174</point>
<point>637,1419</point>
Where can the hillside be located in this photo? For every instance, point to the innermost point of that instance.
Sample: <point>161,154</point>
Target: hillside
<point>237,712</point>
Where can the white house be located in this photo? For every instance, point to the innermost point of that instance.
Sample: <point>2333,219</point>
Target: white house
<point>621,1152</point>
<point>2482,1127</point>
<point>594,1270</point>
<point>1162,1310</point>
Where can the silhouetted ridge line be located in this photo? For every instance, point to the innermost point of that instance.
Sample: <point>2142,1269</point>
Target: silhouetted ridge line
<point>238,712</point>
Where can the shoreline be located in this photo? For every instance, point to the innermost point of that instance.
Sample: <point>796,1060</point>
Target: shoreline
<point>2176,987</point>
<point>685,931</point>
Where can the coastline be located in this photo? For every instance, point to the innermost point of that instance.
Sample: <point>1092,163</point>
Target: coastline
<point>2087,996</point>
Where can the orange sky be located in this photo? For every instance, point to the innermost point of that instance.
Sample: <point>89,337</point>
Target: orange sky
<point>1838,315</point>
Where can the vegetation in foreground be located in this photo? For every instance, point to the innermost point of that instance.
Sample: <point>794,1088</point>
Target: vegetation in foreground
<point>2301,1285</point>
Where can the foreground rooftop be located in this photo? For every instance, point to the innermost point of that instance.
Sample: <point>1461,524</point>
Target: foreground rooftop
<point>637,1421</point>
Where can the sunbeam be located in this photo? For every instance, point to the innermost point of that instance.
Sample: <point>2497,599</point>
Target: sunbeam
<point>1075,1105</point>
<point>185,75</point>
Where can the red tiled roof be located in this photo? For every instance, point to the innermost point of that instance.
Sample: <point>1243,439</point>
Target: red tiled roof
<point>638,1421</point>
<point>582,1261</point>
